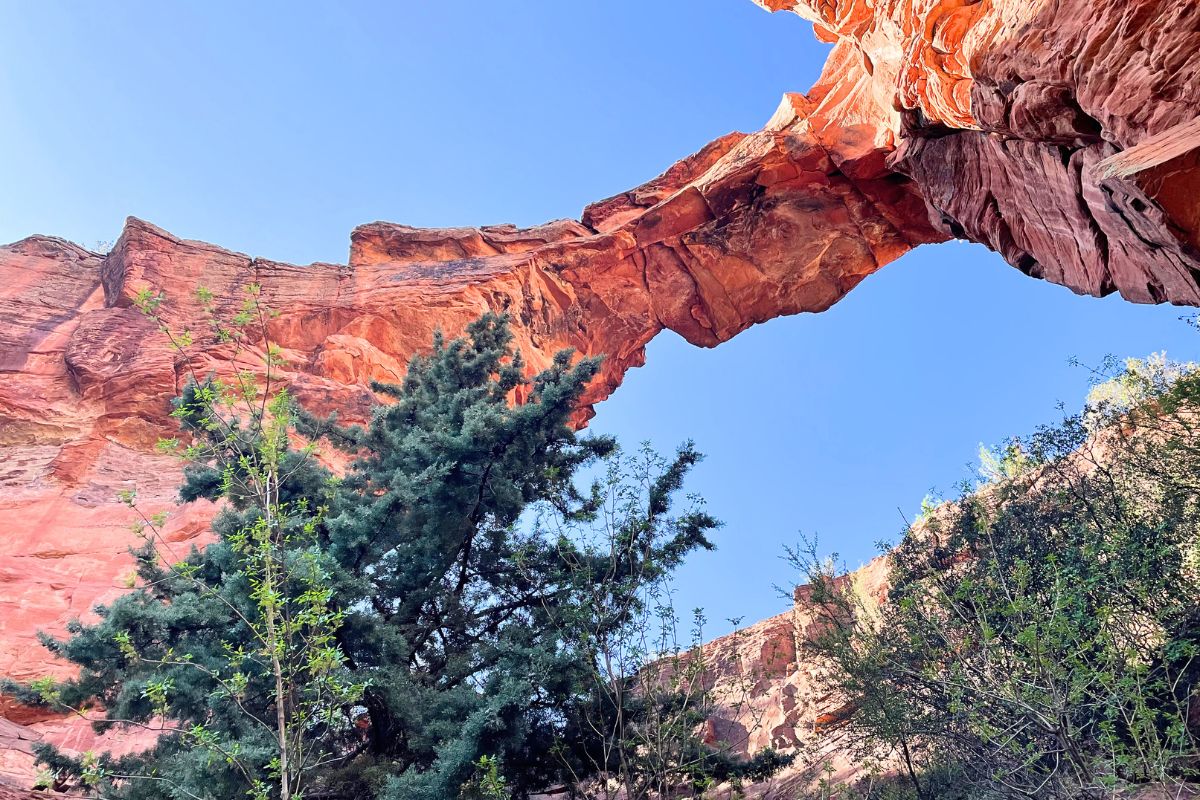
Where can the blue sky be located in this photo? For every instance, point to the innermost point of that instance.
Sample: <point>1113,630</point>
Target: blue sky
<point>274,128</point>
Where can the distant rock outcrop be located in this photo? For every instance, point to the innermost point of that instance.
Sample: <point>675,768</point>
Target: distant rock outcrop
<point>1064,134</point>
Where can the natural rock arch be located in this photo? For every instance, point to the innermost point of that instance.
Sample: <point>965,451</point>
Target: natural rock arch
<point>1064,134</point>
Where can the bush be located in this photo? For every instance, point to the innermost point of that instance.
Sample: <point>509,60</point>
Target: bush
<point>1042,631</point>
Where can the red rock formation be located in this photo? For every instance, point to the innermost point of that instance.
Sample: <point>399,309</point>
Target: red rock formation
<point>749,228</point>
<point>767,694</point>
<point>1062,133</point>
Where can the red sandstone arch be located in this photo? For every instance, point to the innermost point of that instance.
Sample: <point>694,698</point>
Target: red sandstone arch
<point>1065,135</point>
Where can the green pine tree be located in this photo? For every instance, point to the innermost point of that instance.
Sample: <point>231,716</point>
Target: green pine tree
<point>426,628</point>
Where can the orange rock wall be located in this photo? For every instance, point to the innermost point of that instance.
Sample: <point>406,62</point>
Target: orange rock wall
<point>1065,134</point>
<point>1061,133</point>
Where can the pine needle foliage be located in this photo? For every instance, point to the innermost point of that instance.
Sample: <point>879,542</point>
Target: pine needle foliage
<point>436,645</point>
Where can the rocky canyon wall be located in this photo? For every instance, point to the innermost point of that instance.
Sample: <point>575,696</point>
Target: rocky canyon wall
<point>1064,134</point>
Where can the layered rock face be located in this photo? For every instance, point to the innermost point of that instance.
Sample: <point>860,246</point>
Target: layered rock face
<point>766,691</point>
<point>1065,134</point>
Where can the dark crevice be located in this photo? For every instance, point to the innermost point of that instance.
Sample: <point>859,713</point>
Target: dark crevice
<point>1087,126</point>
<point>1065,154</point>
<point>1029,265</point>
<point>1115,207</point>
<point>954,226</point>
<point>915,124</point>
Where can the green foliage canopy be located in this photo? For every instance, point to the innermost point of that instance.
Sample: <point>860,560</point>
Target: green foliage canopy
<point>453,632</point>
<point>1041,636</point>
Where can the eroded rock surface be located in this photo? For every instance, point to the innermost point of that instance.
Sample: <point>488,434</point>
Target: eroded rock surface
<point>1010,114</point>
<point>767,692</point>
<point>1065,134</point>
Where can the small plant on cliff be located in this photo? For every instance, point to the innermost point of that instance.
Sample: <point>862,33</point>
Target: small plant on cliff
<point>1041,636</point>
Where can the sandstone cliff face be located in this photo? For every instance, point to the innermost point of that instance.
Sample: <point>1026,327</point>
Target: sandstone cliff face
<point>1065,134</point>
<point>767,692</point>
<point>1060,133</point>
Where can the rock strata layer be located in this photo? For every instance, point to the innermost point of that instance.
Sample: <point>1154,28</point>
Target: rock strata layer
<point>1064,134</point>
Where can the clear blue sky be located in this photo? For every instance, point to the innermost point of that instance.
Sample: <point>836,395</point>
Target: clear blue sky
<point>274,128</point>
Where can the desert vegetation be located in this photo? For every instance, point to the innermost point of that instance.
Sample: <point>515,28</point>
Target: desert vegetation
<point>465,598</point>
<point>1040,634</point>
<point>465,609</point>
